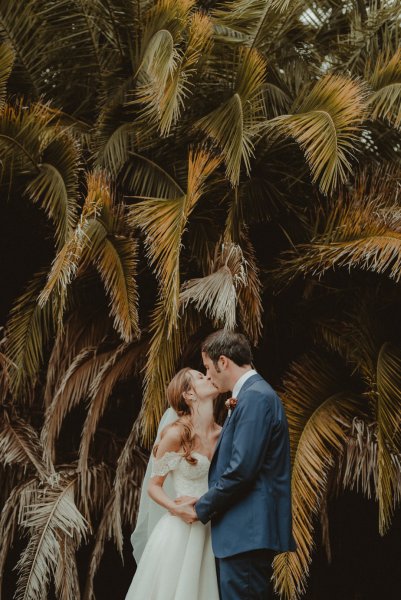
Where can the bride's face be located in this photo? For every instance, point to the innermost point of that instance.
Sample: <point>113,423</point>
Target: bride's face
<point>202,387</point>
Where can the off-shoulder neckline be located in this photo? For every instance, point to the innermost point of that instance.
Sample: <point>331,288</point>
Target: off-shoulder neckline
<point>181,456</point>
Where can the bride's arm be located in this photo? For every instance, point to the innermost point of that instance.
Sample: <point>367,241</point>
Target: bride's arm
<point>170,442</point>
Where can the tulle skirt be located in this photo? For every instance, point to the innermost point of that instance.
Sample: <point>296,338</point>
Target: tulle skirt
<point>177,564</point>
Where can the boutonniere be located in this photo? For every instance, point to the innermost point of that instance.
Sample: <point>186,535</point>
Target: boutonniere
<point>231,403</point>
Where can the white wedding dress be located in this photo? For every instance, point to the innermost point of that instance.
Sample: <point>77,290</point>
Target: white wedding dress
<point>178,561</point>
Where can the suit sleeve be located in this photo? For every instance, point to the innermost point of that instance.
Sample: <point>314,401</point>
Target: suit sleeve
<point>253,427</point>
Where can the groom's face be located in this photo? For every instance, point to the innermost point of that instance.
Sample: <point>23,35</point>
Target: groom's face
<point>215,373</point>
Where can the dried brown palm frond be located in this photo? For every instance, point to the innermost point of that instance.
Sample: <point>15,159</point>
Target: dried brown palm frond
<point>124,362</point>
<point>82,329</point>
<point>359,463</point>
<point>19,444</point>
<point>327,125</point>
<point>385,79</point>
<point>388,431</point>
<point>73,388</point>
<point>50,517</point>
<point>249,296</point>
<point>232,126</point>
<point>320,444</point>
<point>9,520</point>
<point>362,228</point>
<point>102,239</point>
<point>216,294</point>
<point>66,578</point>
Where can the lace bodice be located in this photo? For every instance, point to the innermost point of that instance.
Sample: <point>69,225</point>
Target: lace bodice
<point>188,480</point>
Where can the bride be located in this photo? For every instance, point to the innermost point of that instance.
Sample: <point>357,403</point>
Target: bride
<point>177,562</point>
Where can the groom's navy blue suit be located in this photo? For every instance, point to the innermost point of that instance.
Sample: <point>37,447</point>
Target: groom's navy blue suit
<point>249,500</point>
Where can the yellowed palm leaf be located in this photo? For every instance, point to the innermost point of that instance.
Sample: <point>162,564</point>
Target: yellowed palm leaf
<point>320,443</point>
<point>327,125</point>
<point>232,125</point>
<point>7,57</point>
<point>389,430</point>
<point>385,101</point>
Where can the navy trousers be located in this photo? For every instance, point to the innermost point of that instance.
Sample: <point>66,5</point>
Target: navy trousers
<point>246,576</point>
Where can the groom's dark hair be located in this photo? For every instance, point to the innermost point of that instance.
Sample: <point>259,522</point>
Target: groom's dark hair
<point>234,346</point>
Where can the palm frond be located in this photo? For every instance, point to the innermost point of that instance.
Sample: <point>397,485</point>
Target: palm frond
<point>326,124</point>
<point>123,363</point>
<point>7,58</point>
<point>359,464</point>
<point>127,484</point>
<point>320,443</point>
<point>114,253</point>
<point>104,532</point>
<point>163,222</point>
<point>389,430</point>
<point>9,521</point>
<point>166,73</point>
<point>19,444</point>
<point>362,229</point>
<point>216,293</point>
<point>56,185</point>
<point>73,388</point>
<point>29,330</point>
<point>232,125</point>
<point>66,263</point>
<point>66,578</point>
<point>385,101</point>
<point>50,518</point>
<point>81,330</point>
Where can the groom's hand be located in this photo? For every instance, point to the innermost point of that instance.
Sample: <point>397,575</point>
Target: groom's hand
<point>184,509</point>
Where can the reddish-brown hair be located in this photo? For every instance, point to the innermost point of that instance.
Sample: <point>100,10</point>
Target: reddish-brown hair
<point>182,382</point>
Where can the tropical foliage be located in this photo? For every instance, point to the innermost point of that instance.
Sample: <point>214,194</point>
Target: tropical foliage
<point>198,166</point>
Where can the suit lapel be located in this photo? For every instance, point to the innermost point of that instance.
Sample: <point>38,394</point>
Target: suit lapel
<point>246,385</point>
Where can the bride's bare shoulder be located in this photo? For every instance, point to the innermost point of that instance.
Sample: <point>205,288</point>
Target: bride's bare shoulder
<point>170,439</point>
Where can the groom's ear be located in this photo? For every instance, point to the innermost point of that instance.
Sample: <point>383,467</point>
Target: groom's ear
<point>223,362</point>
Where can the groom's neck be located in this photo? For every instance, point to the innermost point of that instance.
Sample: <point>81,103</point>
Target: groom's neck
<point>237,373</point>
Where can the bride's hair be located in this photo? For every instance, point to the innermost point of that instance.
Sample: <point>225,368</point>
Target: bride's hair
<point>182,382</point>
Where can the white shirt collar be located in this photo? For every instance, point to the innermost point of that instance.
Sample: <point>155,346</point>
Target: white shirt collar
<point>240,382</point>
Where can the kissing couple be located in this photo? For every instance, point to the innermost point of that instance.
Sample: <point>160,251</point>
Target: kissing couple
<point>224,492</point>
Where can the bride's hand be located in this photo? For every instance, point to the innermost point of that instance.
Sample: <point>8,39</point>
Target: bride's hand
<point>186,500</point>
<point>184,509</point>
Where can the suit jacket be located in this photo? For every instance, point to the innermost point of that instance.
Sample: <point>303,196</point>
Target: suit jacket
<point>249,497</point>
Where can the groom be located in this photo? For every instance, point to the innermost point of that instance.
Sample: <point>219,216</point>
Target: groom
<point>249,501</point>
